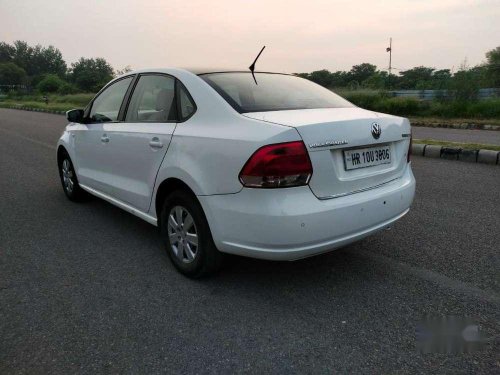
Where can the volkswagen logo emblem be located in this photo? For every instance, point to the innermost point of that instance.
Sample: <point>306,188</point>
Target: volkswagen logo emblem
<point>376,130</point>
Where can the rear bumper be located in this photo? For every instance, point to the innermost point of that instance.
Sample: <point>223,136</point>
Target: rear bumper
<point>289,224</point>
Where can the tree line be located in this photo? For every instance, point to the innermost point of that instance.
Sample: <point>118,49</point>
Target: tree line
<point>367,75</point>
<point>44,69</point>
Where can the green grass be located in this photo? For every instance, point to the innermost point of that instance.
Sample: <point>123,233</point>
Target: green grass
<point>80,99</point>
<point>466,146</point>
<point>39,105</point>
<point>452,121</point>
<point>480,112</point>
<point>379,101</point>
<point>56,102</point>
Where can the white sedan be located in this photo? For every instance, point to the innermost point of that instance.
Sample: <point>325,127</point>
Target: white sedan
<point>274,167</point>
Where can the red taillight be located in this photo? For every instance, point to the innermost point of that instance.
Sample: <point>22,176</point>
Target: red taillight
<point>278,165</point>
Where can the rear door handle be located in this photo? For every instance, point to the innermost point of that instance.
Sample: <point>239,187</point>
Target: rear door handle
<point>156,143</point>
<point>104,139</point>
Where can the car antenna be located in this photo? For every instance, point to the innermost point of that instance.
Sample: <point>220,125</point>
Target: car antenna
<point>252,67</point>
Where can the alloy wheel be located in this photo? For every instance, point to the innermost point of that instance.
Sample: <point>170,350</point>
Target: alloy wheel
<point>182,234</point>
<point>67,174</point>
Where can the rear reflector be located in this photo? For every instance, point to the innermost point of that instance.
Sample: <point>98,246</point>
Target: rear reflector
<point>408,157</point>
<point>277,165</point>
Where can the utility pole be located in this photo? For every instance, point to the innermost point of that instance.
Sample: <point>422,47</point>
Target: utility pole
<point>389,49</point>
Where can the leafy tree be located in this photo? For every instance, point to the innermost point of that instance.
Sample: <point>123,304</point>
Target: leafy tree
<point>392,81</point>
<point>36,60</point>
<point>326,78</point>
<point>11,74</point>
<point>22,55</point>
<point>34,81</point>
<point>321,77</point>
<point>493,66</point>
<point>465,84</point>
<point>362,72</point>
<point>481,76</point>
<point>339,79</point>
<point>377,80</point>
<point>67,88</point>
<point>91,74</point>
<point>50,84</point>
<point>441,79</point>
<point>420,76</point>
<point>6,52</point>
<point>47,60</point>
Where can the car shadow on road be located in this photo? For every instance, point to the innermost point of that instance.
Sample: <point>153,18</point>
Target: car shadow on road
<point>338,266</point>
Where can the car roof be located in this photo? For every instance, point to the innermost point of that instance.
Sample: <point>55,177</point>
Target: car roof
<point>200,70</point>
<point>207,70</point>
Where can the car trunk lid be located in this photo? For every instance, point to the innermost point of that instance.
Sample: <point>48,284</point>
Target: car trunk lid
<point>333,134</point>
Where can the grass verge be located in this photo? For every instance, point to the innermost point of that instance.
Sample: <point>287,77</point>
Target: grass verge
<point>56,102</point>
<point>37,105</point>
<point>452,121</point>
<point>465,146</point>
<point>415,107</point>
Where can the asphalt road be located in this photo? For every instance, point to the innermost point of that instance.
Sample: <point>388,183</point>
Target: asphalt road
<point>491,137</point>
<point>88,288</point>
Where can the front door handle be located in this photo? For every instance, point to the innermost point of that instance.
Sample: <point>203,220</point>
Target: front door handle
<point>105,139</point>
<point>156,143</point>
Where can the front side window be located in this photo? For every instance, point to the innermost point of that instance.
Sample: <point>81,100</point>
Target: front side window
<point>106,106</point>
<point>273,92</point>
<point>153,100</point>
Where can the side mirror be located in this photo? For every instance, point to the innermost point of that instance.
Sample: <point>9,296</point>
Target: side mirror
<point>75,115</point>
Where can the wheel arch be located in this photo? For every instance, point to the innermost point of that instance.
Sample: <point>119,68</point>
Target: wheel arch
<point>61,151</point>
<point>166,187</point>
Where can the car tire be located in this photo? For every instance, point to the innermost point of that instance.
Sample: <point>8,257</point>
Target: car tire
<point>69,180</point>
<point>187,237</point>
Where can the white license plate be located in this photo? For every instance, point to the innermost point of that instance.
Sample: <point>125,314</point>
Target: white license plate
<point>367,157</point>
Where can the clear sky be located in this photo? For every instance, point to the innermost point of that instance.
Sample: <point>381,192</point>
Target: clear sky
<point>300,36</point>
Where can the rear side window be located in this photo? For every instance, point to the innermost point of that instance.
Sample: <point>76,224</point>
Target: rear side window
<point>272,92</point>
<point>153,100</point>
<point>186,104</point>
<point>107,105</point>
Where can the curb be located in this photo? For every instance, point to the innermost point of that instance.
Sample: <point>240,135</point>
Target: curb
<point>22,108</point>
<point>456,153</point>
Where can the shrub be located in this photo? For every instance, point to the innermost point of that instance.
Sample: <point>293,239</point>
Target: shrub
<point>11,74</point>
<point>50,84</point>
<point>91,74</point>
<point>449,108</point>
<point>364,100</point>
<point>403,106</point>
<point>465,85</point>
<point>80,99</point>
<point>382,102</point>
<point>489,108</point>
<point>66,89</point>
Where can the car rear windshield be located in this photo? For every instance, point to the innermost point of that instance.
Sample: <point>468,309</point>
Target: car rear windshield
<point>273,92</point>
